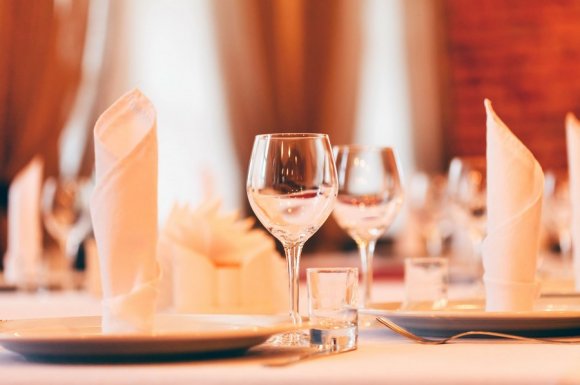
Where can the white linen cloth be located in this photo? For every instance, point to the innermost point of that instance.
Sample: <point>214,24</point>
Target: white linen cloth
<point>515,183</point>
<point>24,226</point>
<point>573,146</point>
<point>218,264</point>
<point>124,213</point>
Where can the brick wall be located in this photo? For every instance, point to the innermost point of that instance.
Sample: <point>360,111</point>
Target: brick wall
<point>524,55</point>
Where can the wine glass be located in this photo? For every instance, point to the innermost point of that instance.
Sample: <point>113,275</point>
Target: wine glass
<point>65,212</point>
<point>369,197</point>
<point>429,203</point>
<point>292,188</point>
<point>557,213</point>
<point>467,184</point>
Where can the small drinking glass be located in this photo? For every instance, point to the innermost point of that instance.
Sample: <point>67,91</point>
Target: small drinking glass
<point>332,308</point>
<point>369,197</point>
<point>292,188</point>
<point>426,282</point>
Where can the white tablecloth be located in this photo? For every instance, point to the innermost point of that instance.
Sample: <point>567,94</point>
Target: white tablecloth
<point>382,358</point>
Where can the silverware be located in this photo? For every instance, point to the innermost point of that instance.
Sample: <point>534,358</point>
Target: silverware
<point>439,341</point>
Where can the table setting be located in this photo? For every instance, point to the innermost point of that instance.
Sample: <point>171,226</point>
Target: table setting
<point>207,297</point>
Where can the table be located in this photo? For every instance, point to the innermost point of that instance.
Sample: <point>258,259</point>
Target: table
<point>382,358</point>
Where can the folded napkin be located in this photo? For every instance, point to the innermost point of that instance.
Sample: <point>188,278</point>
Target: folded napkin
<point>218,264</point>
<point>515,183</point>
<point>124,213</point>
<point>573,144</point>
<point>24,228</point>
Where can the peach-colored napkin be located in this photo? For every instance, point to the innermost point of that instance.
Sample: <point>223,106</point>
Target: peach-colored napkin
<point>515,183</point>
<point>24,228</point>
<point>124,213</point>
<point>218,264</point>
<point>573,144</point>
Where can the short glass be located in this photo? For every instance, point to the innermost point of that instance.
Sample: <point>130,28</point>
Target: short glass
<point>332,308</point>
<point>426,282</point>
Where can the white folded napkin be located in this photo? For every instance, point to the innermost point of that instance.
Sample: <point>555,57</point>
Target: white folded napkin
<point>24,227</point>
<point>124,213</point>
<point>515,183</point>
<point>219,264</point>
<point>573,145</point>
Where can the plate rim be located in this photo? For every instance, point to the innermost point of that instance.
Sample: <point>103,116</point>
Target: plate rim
<point>10,334</point>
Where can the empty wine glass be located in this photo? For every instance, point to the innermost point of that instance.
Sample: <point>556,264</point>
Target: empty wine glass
<point>429,204</point>
<point>65,203</point>
<point>467,185</point>
<point>557,212</point>
<point>369,197</point>
<point>292,188</point>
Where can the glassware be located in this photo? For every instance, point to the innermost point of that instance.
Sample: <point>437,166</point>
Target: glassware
<point>426,281</point>
<point>292,188</point>
<point>429,204</point>
<point>65,211</point>
<point>332,308</point>
<point>369,197</point>
<point>467,185</point>
<point>557,211</point>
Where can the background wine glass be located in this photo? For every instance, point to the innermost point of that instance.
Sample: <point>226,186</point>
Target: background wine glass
<point>467,184</point>
<point>65,211</point>
<point>557,211</point>
<point>369,197</point>
<point>292,188</point>
<point>429,206</point>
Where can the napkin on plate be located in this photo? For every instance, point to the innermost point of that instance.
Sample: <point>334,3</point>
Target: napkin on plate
<point>515,183</point>
<point>24,228</point>
<point>124,213</point>
<point>218,264</point>
<point>573,145</point>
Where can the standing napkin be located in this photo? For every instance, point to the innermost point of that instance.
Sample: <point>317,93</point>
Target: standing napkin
<point>24,228</point>
<point>219,264</point>
<point>573,144</point>
<point>124,213</point>
<point>514,202</point>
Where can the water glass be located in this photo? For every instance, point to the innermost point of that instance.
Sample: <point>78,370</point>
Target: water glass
<point>426,281</point>
<point>332,308</point>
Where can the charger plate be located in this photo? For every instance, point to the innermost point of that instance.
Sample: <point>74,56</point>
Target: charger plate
<point>552,316</point>
<point>175,334</point>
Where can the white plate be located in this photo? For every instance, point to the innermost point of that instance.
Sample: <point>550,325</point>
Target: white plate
<point>81,337</point>
<point>552,317</point>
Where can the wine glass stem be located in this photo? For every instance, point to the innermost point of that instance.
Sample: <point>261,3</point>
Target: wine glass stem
<point>293,252</point>
<point>367,251</point>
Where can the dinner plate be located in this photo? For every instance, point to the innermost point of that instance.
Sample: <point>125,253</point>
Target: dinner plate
<point>551,317</point>
<point>174,334</point>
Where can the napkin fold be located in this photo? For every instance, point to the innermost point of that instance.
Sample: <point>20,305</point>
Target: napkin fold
<point>219,264</point>
<point>514,201</point>
<point>573,146</point>
<point>24,227</point>
<point>124,213</point>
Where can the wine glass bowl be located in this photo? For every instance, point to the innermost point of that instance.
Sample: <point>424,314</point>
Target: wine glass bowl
<point>467,185</point>
<point>66,217</point>
<point>370,195</point>
<point>292,189</point>
<point>557,212</point>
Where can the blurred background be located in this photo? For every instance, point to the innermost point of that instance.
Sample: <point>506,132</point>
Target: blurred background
<point>411,74</point>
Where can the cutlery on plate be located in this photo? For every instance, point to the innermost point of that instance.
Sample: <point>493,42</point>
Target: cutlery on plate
<point>440,341</point>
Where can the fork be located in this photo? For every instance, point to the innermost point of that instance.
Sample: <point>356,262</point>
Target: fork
<point>440,341</point>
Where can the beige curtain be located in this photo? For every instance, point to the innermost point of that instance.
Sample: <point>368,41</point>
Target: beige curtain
<point>41,42</point>
<point>290,66</point>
